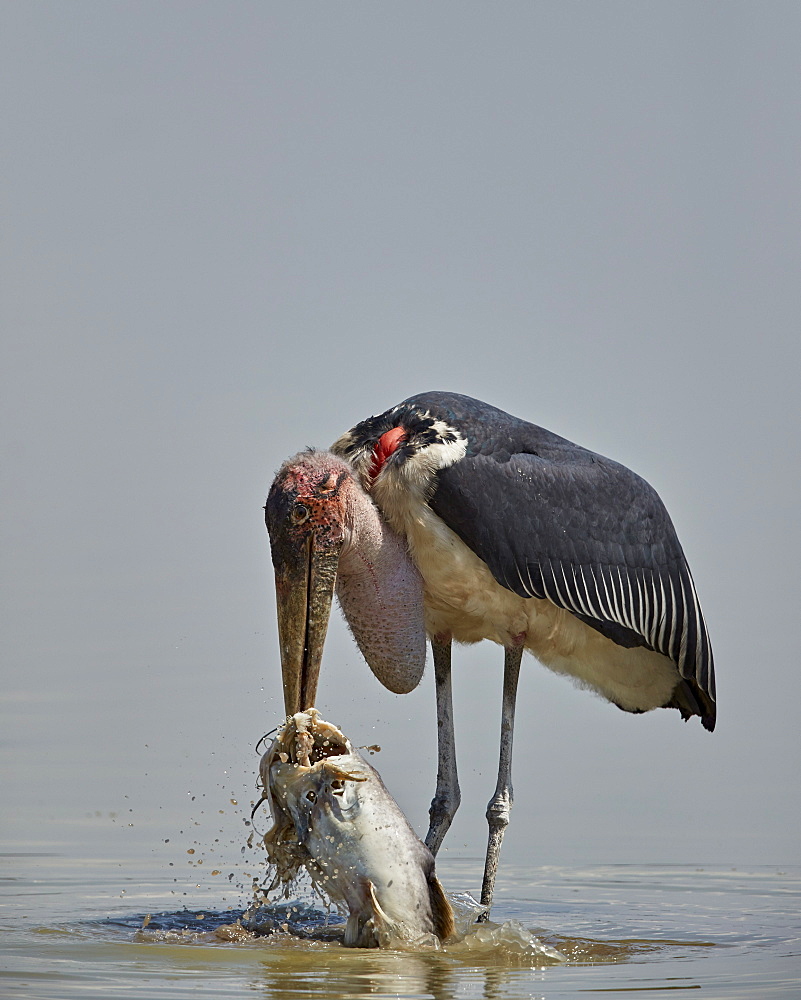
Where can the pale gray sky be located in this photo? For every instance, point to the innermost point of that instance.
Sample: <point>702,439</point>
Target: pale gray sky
<point>230,230</point>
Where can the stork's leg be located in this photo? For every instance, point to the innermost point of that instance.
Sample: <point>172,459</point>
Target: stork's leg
<point>500,805</point>
<point>447,796</point>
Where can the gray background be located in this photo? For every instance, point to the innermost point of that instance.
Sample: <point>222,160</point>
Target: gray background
<point>231,230</point>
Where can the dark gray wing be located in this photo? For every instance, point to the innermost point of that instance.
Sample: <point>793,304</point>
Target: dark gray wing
<point>555,521</point>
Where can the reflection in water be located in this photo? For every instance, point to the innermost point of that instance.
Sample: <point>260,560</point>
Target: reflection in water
<point>356,974</point>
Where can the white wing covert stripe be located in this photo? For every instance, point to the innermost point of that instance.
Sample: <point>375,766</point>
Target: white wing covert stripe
<point>665,612</point>
<point>662,608</point>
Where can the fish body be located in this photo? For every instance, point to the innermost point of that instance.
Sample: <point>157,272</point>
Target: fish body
<point>334,816</point>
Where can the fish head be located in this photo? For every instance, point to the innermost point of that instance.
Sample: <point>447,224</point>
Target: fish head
<point>314,796</point>
<point>309,769</point>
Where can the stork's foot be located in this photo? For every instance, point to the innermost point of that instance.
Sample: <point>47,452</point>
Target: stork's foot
<point>443,809</point>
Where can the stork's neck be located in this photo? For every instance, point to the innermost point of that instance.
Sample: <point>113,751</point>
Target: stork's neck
<point>366,534</point>
<point>381,594</point>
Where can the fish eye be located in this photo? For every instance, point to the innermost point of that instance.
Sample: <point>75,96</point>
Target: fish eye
<point>311,796</point>
<point>300,513</point>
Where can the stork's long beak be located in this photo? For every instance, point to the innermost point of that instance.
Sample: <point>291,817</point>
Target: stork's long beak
<point>305,574</point>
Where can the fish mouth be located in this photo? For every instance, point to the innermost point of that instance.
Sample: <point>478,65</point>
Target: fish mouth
<point>306,739</point>
<point>304,579</point>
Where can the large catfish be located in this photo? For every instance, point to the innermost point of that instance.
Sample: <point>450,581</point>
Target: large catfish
<point>333,815</point>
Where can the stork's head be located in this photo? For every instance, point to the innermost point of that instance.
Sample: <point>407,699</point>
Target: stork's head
<point>325,530</point>
<point>306,518</point>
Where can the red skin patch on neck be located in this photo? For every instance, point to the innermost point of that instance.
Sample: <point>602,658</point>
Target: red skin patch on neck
<point>383,448</point>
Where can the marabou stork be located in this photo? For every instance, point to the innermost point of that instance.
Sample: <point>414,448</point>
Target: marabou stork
<point>448,518</point>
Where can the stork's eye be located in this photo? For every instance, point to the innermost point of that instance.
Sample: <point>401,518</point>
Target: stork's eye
<point>300,513</point>
<point>338,786</point>
<point>311,796</point>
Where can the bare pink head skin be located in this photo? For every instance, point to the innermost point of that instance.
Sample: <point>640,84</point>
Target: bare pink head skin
<point>325,534</point>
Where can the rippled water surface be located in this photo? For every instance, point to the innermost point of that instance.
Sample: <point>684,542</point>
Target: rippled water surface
<point>73,928</point>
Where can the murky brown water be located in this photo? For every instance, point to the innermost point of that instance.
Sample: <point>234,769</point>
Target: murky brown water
<point>74,928</point>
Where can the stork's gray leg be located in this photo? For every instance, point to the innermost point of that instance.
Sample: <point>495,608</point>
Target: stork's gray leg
<point>447,796</point>
<point>500,805</point>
